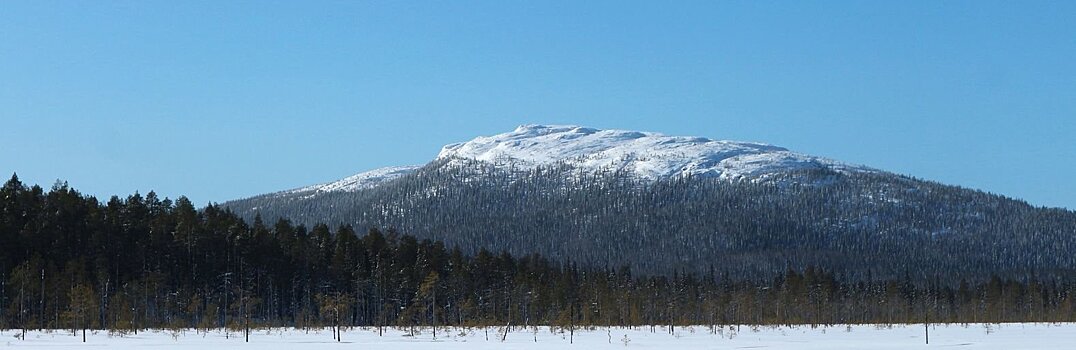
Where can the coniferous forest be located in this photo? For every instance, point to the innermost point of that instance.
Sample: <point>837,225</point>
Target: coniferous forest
<point>71,261</point>
<point>869,225</point>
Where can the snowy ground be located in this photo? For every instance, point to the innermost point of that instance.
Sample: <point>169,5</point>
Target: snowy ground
<point>975,336</point>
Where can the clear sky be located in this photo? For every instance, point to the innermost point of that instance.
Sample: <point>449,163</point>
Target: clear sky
<point>224,99</point>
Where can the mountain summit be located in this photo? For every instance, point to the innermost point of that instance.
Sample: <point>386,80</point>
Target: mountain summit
<point>644,155</point>
<point>647,155</point>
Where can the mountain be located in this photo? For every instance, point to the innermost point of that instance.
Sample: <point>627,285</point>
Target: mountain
<point>669,203</point>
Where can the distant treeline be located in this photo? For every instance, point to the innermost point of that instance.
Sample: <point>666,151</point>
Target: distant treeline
<point>69,261</point>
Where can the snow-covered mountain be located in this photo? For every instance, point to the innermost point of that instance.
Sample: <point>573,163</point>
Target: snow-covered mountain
<point>645,155</point>
<point>665,203</point>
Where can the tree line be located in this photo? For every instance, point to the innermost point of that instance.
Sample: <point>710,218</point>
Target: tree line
<point>71,262</point>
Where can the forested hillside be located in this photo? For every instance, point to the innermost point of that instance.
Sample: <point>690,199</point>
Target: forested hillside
<point>853,223</point>
<point>70,261</point>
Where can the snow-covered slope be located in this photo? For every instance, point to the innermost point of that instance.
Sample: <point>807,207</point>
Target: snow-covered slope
<point>360,181</point>
<point>646,155</point>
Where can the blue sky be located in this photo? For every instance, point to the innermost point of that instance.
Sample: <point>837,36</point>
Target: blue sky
<point>223,99</point>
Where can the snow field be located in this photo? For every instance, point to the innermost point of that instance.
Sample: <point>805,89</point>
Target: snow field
<point>972,336</point>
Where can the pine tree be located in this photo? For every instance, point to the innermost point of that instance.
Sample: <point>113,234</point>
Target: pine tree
<point>80,308</point>
<point>427,298</point>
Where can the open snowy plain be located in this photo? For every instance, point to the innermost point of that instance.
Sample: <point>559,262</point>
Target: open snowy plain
<point>973,336</point>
